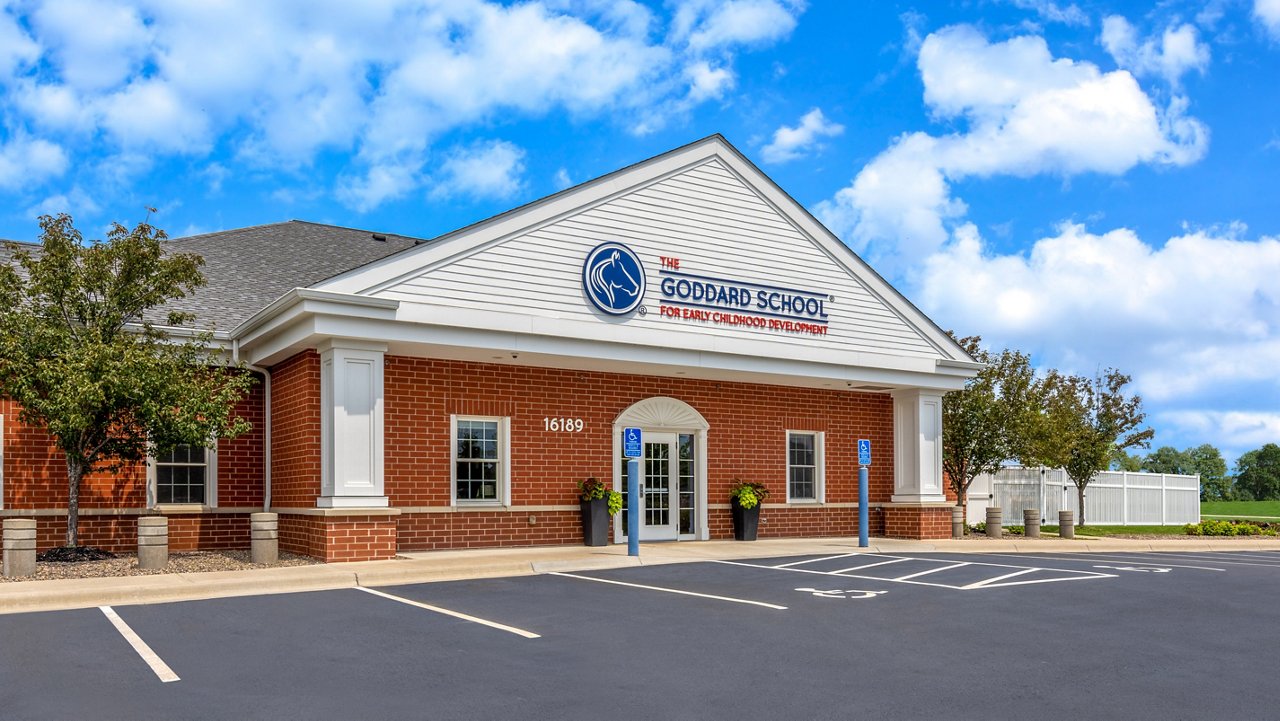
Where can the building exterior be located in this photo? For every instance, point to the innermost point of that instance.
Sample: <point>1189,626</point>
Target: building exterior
<point>451,393</point>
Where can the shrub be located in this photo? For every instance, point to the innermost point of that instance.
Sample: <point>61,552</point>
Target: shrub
<point>1214,527</point>
<point>594,489</point>
<point>747,494</point>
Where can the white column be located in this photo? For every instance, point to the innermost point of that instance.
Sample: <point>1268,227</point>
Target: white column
<point>917,446</point>
<point>351,425</point>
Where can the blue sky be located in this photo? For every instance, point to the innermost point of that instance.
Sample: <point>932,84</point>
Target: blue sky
<point>1094,183</point>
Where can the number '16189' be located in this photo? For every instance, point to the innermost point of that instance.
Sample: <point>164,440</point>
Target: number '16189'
<point>563,425</point>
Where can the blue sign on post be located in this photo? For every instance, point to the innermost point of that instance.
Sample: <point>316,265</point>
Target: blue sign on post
<point>864,460</point>
<point>631,445</point>
<point>864,452</point>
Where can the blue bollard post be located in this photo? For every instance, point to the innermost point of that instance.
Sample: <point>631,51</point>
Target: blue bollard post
<point>862,508</point>
<point>633,506</point>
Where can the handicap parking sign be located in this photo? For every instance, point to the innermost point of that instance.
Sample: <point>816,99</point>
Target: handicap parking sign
<point>631,443</point>
<point>864,452</point>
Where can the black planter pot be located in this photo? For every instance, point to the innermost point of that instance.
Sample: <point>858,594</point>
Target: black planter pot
<point>746,521</point>
<point>595,522</point>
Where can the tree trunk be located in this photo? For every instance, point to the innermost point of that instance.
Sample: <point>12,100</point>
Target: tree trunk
<point>1080,502</point>
<point>75,469</point>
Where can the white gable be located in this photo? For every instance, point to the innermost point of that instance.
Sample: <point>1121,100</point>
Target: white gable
<point>524,273</point>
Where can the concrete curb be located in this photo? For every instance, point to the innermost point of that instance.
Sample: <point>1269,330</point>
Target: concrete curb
<point>426,567</point>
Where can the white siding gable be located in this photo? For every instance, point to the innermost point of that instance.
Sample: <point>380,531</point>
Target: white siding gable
<point>705,216</point>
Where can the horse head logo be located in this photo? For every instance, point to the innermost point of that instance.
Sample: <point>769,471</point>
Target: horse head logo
<point>613,278</point>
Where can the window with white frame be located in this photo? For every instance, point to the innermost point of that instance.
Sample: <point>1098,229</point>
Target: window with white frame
<point>184,474</point>
<point>480,453</point>
<point>804,466</point>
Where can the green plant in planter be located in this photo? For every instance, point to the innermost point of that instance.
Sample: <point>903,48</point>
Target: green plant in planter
<point>594,489</point>
<point>747,494</point>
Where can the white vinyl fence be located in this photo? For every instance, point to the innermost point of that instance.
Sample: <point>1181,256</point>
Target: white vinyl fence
<point>1112,498</point>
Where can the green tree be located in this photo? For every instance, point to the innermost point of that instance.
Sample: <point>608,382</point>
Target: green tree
<point>984,425</point>
<point>1258,473</point>
<point>1167,459</point>
<point>1085,422</point>
<point>80,360</point>
<point>1207,461</point>
<point>1122,461</point>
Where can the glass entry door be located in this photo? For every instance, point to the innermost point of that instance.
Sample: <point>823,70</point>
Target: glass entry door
<point>666,487</point>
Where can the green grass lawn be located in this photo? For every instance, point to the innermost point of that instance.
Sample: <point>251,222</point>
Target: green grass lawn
<point>1240,509</point>
<point>1119,531</point>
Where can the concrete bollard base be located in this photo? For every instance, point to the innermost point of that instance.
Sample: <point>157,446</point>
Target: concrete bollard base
<point>1067,524</point>
<point>19,547</point>
<point>957,522</point>
<point>995,523</point>
<point>264,538</point>
<point>1031,522</point>
<point>153,542</point>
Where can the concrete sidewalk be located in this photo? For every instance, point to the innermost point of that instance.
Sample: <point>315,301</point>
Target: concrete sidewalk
<point>427,566</point>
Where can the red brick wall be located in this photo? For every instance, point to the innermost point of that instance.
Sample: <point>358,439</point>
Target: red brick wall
<point>119,534</point>
<point>924,523</point>
<point>747,440</point>
<point>295,431</point>
<point>432,531</point>
<point>339,538</point>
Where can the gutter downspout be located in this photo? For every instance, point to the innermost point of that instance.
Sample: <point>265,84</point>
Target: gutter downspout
<point>266,426</point>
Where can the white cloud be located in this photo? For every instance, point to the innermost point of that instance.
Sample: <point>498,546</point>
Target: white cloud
<point>380,80</point>
<point>790,143</point>
<point>76,203</point>
<point>1267,12</point>
<point>706,82</point>
<point>490,169</point>
<point>1237,431</point>
<point>25,162</point>
<point>1026,113</point>
<point>1194,318</point>
<point>378,184</point>
<point>1055,13</point>
<point>710,24</point>
<point>1177,51</point>
<point>95,44</point>
<point>562,179</point>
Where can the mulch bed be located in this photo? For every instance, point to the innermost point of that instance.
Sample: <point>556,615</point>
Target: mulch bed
<point>126,564</point>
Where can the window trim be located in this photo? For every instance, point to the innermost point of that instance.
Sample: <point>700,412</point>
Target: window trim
<point>210,481</point>
<point>504,462</point>
<point>819,466</point>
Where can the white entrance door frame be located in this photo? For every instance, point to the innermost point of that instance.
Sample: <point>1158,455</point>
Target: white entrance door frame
<point>666,415</point>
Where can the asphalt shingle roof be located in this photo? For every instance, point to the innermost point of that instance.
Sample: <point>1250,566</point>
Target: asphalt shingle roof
<point>246,269</point>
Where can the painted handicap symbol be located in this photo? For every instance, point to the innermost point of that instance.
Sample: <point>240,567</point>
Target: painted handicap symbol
<point>1136,569</point>
<point>837,593</point>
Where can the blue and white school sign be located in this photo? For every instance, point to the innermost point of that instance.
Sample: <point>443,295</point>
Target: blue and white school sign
<point>613,278</point>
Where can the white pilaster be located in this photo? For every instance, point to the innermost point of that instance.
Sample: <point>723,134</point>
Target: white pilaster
<point>917,446</point>
<point>351,425</point>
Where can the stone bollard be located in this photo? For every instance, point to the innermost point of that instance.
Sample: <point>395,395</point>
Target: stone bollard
<point>1067,524</point>
<point>994,525</point>
<point>1031,522</point>
<point>264,538</point>
<point>19,547</point>
<point>153,542</point>
<point>957,522</point>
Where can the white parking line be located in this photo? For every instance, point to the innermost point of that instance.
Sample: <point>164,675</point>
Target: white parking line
<point>1212,557</point>
<point>815,560</point>
<point>455,614</point>
<point>1086,558</point>
<point>678,591</point>
<point>980,584</point>
<point>158,666</point>
<point>932,570</point>
<point>869,565</point>
<point>1075,575</point>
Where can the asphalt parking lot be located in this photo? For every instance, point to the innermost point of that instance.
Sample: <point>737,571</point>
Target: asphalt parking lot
<point>845,636</point>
